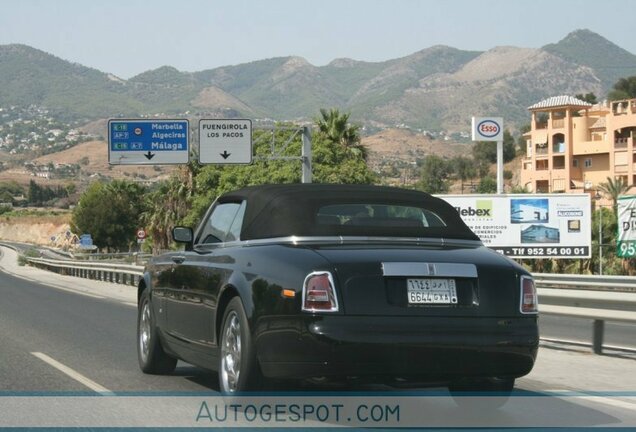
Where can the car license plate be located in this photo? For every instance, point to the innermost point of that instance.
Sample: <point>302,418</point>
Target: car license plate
<point>431,291</point>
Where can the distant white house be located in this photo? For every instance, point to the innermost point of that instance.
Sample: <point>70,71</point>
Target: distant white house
<point>527,213</point>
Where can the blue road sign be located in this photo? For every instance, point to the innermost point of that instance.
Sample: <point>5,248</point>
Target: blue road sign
<point>148,142</point>
<point>86,240</point>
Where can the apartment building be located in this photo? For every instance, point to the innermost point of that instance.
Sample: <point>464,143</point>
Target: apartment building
<point>573,145</point>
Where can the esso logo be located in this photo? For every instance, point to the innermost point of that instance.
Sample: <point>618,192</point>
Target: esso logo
<point>488,129</point>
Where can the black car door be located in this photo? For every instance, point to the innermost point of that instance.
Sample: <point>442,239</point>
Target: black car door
<point>201,275</point>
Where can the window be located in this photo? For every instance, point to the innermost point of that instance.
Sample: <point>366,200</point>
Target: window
<point>235,229</point>
<point>587,163</point>
<point>224,224</point>
<point>377,215</point>
<point>575,163</point>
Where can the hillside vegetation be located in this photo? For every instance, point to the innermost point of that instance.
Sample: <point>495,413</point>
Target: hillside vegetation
<point>437,88</point>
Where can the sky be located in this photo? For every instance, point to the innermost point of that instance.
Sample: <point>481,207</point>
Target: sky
<point>127,37</point>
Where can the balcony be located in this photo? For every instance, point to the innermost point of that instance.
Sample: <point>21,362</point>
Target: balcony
<point>620,169</point>
<point>558,123</point>
<point>541,151</point>
<point>540,125</point>
<point>590,147</point>
<point>621,143</point>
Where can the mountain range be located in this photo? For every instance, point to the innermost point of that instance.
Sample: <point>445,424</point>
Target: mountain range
<point>438,88</point>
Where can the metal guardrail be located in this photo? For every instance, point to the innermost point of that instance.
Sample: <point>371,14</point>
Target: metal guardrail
<point>133,257</point>
<point>599,298</point>
<point>582,282</point>
<point>117,273</point>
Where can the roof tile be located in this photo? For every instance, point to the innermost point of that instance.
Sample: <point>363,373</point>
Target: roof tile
<point>560,101</point>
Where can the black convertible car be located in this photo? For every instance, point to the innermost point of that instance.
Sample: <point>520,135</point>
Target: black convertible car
<point>337,282</point>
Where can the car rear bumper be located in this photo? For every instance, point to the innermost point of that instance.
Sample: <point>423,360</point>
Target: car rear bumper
<point>434,349</point>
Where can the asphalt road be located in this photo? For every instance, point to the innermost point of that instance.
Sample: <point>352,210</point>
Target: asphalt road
<point>95,337</point>
<point>53,340</point>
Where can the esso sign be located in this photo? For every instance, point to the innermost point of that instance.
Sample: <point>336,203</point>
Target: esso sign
<point>487,129</point>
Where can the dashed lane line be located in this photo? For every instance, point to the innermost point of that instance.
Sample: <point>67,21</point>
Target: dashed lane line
<point>73,374</point>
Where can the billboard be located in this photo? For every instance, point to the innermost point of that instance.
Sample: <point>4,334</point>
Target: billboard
<point>529,226</point>
<point>626,209</point>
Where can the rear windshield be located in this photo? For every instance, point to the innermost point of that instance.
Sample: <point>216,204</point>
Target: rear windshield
<point>377,215</point>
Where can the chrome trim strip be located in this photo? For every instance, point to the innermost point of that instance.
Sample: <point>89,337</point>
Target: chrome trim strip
<point>429,269</point>
<point>296,240</point>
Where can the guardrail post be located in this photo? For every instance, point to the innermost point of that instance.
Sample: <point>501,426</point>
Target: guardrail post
<point>597,341</point>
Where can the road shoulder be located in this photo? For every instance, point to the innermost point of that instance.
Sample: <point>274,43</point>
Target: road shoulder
<point>121,293</point>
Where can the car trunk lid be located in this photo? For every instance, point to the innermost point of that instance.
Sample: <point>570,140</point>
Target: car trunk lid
<point>422,280</point>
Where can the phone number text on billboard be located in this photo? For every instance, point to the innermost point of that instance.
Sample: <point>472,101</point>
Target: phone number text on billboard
<point>545,252</point>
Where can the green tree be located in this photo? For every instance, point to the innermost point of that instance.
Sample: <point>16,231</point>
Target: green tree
<point>434,175</point>
<point>587,97</point>
<point>34,193</point>
<point>169,205</point>
<point>625,88</point>
<point>335,127</point>
<point>110,213</point>
<point>487,150</point>
<point>464,169</point>
<point>613,188</point>
<point>332,162</point>
<point>521,141</point>
<point>487,184</point>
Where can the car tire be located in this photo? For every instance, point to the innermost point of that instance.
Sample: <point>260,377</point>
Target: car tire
<point>485,393</point>
<point>238,367</point>
<point>152,358</point>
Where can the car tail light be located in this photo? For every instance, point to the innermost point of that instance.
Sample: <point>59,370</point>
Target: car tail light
<point>319,293</point>
<point>529,303</point>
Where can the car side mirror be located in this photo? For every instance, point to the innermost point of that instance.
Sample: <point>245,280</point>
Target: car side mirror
<point>183,235</point>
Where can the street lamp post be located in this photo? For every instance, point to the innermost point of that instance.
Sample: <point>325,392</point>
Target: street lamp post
<point>600,234</point>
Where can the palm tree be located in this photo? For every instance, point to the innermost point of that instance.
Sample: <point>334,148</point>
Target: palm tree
<point>336,128</point>
<point>614,188</point>
<point>167,206</point>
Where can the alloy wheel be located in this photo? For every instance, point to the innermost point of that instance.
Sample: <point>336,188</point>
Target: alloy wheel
<point>231,353</point>
<point>144,331</point>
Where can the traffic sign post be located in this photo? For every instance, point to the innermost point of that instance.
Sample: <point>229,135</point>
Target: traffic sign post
<point>148,142</point>
<point>225,141</point>
<point>141,235</point>
<point>491,129</point>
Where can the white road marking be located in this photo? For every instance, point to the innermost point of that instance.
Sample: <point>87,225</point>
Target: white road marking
<point>72,373</point>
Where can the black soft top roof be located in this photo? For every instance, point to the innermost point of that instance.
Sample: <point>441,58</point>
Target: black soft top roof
<point>291,209</point>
